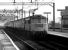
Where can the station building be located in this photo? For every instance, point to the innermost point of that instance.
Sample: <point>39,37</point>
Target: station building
<point>64,18</point>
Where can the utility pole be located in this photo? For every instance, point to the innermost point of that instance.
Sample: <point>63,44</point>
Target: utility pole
<point>14,1</point>
<point>29,21</point>
<point>24,15</point>
<point>14,16</point>
<point>31,1</point>
<point>53,16</point>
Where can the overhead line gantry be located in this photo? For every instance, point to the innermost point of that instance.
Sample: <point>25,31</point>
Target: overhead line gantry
<point>52,4</point>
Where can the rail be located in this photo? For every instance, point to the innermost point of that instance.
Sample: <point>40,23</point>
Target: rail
<point>23,41</point>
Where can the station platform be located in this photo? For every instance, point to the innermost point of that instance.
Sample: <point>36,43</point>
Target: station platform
<point>6,42</point>
<point>62,34</point>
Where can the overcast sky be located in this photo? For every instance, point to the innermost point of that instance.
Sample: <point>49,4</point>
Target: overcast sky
<point>59,4</point>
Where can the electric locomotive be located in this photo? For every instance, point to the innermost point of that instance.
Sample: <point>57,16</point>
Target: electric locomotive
<point>35,25</point>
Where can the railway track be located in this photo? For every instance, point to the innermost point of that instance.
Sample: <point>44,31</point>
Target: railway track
<point>47,44</point>
<point>30,45</point>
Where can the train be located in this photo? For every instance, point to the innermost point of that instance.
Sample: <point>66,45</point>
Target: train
<point>35,25</point>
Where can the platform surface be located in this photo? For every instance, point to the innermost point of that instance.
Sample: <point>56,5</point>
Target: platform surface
<point>5,43</point>
<point>58,33</point>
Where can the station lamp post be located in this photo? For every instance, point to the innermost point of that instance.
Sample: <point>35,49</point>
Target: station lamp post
<point>47,16</point>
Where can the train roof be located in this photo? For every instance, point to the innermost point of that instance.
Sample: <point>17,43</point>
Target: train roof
<point>32,17</point>
<point>36,17</point>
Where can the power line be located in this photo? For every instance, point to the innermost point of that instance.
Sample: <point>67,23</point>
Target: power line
<point>25,3</point>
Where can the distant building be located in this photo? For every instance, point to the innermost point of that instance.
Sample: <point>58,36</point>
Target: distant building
<point>64,15</point>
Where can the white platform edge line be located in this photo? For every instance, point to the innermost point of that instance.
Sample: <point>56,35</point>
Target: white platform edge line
<point>62,35</point>
<point>12,42</point>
